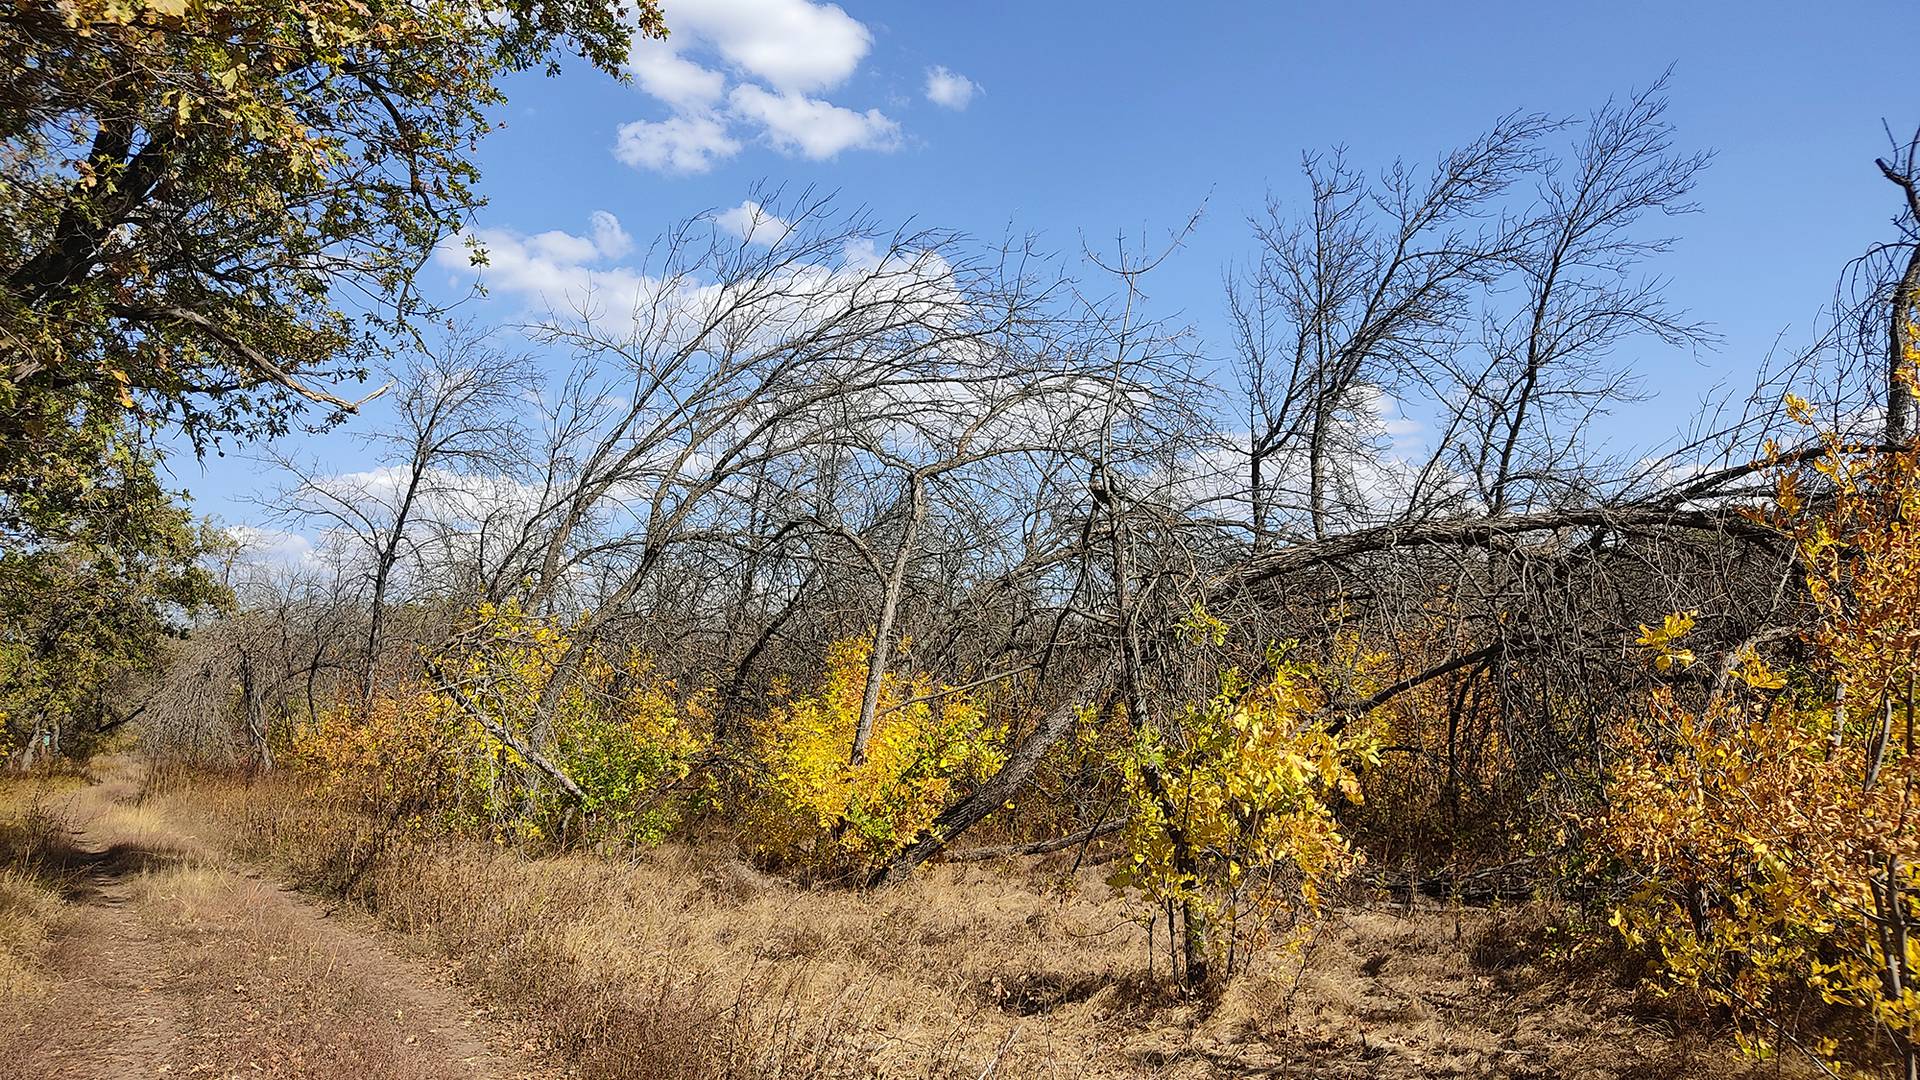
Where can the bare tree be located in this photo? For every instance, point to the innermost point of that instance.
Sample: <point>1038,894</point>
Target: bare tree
<point>911,352</point>
<point>1902,168</point>
<point>1550,363</point>
<point>453,429</point>
<point>1371,283</point>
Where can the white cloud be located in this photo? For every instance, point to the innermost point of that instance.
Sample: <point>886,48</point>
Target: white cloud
<point>814,128</point>
<point>679,82</point>
<point>562,247</point>
<point>683,144</point>
<point>556,268</point>
<point>793,44</point>
<point>668,304</point>
<point>752,223</point>
<point>609,239</point>
<point>776,57</point>
<point>950,89</point>
<point>606,239</point>
<point>271,546</point>
<point>1385,416</point>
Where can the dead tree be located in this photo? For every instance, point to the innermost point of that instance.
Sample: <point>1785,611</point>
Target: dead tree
<point>454,430</point>
<point>1902,168</point>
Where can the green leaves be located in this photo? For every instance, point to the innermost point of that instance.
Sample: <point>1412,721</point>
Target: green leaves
<point>113,573</point>
<point>192,185</point>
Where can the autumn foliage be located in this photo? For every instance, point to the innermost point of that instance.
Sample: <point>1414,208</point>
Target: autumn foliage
<point>638,747</point>
<point>1767,832</point>
<point>1231,804</point>
<point>809,804</point>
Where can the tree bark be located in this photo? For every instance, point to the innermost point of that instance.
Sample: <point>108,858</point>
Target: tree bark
<point>894,585</point>
<point>514,742</point>
<point>1906,298</point>
<point>1040,847</point>
<point>1902,352</point>
<point>997,790</point>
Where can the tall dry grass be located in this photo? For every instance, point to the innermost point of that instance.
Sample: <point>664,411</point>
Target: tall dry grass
<point>36,873</point>
<point>688,963</point>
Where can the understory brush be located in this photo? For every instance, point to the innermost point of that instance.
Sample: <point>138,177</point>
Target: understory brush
<point>687,961</point>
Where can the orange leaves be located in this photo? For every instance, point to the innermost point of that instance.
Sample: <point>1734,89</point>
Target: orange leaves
<point>391,758</point>
<point>1769,828</point>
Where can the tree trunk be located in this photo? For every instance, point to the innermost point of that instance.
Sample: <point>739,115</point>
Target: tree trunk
<point>997,790</point>
<point>889,608</point>
<point>1193,921</point>
<point>253,709</point>
<point>1902,353</point>
<point>507,738</point>
<point>1906,297</point>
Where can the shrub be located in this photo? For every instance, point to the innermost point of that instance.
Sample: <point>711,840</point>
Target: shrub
<point>1771,829</point>
<point>1231,817</point>
<point>810,805</point>
<point>428,757</point>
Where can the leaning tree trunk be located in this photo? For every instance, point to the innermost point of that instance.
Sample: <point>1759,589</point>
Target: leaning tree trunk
<point>1901,349</point>
<point>997,790</point>
<point>889,610</point>
<point>1902,353</point>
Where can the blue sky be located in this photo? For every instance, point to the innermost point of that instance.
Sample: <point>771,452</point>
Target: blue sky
<point>1089,119</point>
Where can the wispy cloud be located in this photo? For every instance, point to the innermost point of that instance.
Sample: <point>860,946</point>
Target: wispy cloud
<point>752,223</point>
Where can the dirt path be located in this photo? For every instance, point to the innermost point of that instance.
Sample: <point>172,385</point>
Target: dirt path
<point>180,963</point>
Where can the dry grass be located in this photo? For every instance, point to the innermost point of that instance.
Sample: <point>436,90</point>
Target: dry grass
<point>685,963</point>
<point>688,965</point>
<point>34,876</point>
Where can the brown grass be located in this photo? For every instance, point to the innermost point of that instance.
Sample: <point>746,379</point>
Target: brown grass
<point>34,875</point>
<point>685,962</point>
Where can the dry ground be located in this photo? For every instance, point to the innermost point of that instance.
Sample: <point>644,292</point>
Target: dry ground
<point>169,959</point>
<point>177,959</point>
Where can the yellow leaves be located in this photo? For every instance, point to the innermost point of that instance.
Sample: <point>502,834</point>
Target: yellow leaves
<point>1245,781</point>
<point>1674,627</point>
<point>122,12</point>
<point>1662,641</point>
<point>815,806</point>
<point>1350,787</point>
<point>1202,627</point>
<point>622,740</point>
<point>125,390</point>
<point>1798,408</point>
<point>1751,670</point>
<point>1787,494</point>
